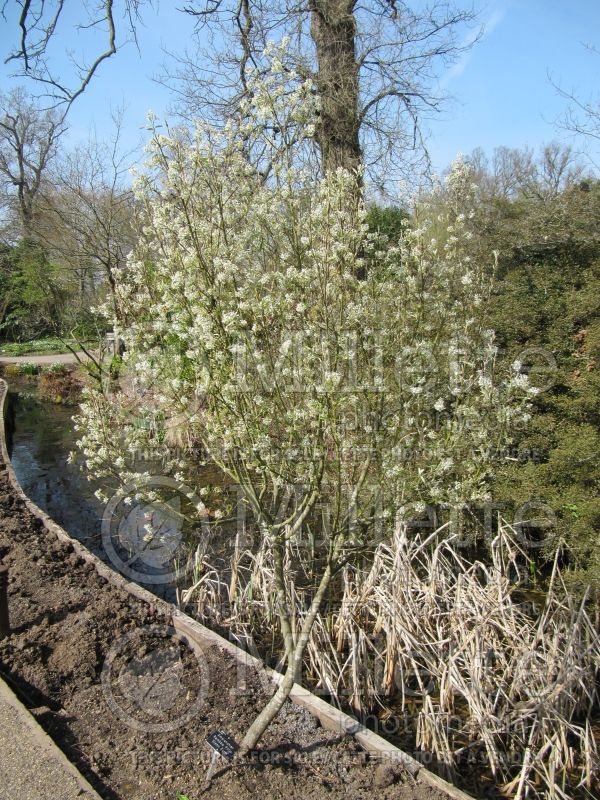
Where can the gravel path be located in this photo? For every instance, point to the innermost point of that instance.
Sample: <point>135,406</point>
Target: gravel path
<point>32,767</point>
<point>57,358</point>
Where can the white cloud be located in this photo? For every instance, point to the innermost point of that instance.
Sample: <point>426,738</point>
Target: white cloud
<point>488,26</point>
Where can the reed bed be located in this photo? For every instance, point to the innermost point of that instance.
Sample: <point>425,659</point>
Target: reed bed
<point>483,679</point>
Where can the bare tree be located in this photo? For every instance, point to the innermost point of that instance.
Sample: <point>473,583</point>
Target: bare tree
<point>38,23</point>
<point>374,64</point>
<point>89,216</point>
<point>28,139</point>
<point>582,116</point>
<point>512,172</point>
<point>531,203</point>
<point>559,169</point>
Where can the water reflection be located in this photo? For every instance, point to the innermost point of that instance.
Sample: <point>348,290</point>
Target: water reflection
<point>42,438</point>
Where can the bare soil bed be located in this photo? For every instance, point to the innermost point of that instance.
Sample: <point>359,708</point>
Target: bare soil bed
<point>131,704</point>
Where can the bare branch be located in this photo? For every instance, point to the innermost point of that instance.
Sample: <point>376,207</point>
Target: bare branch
<point>28,138</point>
<point>394,51</point>
<point>38,24</point>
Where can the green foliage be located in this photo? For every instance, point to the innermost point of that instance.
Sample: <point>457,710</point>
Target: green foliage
<point>29,369</point>
<point>387,220</point>
<point>115,366</point>
<point>56,369</point>
<point>35,299</point>
<point>87,327</point>
<point>36,347</point>
<point>546,311</point>
<point>41,300</point>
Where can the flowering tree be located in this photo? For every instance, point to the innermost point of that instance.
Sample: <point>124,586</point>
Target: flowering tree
<point>318,364</point>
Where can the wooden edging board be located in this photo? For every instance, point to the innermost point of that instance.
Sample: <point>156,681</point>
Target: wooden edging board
<point>330,717</point>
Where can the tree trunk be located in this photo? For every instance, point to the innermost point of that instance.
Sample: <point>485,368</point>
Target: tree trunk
<point>270,711</point>
<point>26,213</point>
<point>112,285</point>
<point>285,623</point>
<point>333,30</point>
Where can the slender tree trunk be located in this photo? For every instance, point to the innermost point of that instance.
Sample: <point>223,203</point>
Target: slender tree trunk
<point>333,30</point>
<point>270,711</point>
<point>285,624</point>
<point>112,285</point>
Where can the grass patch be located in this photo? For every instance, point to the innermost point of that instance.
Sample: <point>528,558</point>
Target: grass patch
<point>19,370</point>
<point>29,369</point>
<point>55,369</point>
<point>39,347</point>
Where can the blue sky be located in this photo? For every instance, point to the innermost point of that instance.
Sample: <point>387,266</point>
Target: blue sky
<point>500,89</point>
<point>502,94</point>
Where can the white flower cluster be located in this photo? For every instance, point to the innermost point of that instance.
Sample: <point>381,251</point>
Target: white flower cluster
<point>304,349</point>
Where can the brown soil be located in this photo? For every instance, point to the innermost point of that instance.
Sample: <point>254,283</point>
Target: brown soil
<point>131,704</point>
<point>62,388</point>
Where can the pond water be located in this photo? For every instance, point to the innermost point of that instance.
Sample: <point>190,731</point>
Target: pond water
<point>41,441</point>
<point>41,436</point>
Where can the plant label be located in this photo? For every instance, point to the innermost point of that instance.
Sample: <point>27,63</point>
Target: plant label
<point>223,744</point>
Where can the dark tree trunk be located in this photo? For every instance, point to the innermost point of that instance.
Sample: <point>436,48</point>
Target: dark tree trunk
<point>26,212</point>
<point>333,30</point>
